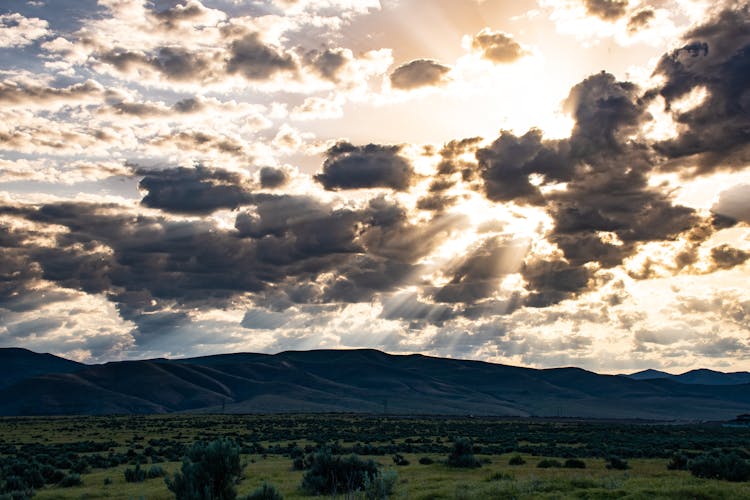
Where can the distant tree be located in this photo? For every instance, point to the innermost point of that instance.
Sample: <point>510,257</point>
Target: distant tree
<point>462,454</point>
<point>209,472</point>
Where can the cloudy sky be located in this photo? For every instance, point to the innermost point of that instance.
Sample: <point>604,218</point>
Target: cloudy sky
<point>530,182</point>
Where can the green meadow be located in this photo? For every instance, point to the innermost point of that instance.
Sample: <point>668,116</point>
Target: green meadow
<point>100,449</point>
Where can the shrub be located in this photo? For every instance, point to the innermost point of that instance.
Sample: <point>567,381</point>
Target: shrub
<point>209,471</point>
<point>51,475</point>
<point>380,487</point>
<point>617,463</point>
<point>399,459</point>
<point>71,480</point>
<point>331,474</point>
<point>462,454</point>
<point>155,471</point>
<point>679,461</point>
<point>426,461</point>
<point>548,463</point>
<point>718,465</point>
<point>516,460</point>
<point>265,492</point>
<point>136,475</point>
<point>574,463</point>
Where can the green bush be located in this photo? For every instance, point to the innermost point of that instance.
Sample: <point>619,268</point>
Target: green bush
<point>399,459</point>
<point>574,463</point>
<point>679,461</point>
<point>155,471</point>
<point>718,465</point>
<point>265,492</point>
<point>462,454</point>
<point>549,463</point>
<point>516,460</point>
<point>426,461</point>
<point>209,472</point>
<point>136,475</point>
<point>380,487</point>
<point>332,474</point>
<point>71,480</point>
<point>617,463</point>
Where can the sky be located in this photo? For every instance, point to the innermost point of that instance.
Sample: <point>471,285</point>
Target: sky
<point>539,183</point>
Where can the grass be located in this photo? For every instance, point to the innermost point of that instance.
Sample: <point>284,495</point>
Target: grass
<point>647,478</point>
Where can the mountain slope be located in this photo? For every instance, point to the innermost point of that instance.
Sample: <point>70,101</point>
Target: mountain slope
<point>363,381</point>
<point>17,364</point>
<point>700,377</point>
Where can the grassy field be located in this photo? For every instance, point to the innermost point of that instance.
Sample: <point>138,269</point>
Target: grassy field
<point>269,442</point>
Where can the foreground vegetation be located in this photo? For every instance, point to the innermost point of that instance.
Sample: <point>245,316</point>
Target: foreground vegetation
<point>378,457</point>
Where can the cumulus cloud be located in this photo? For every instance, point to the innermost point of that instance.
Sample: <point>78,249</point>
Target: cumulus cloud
<point>361,167</point>
<point>272,178</point>
<point>640,19</point>
<point>716,58</point>
<point>419,73</point>
<point>497,46</point>
<point>255,60</point>
<point>18,31</point>
<point>608,10</point>
<point>734,203</point>
<point>194,190</point>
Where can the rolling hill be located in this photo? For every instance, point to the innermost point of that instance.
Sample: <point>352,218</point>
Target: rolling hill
<point>363,381</point>
<point>700,376</point>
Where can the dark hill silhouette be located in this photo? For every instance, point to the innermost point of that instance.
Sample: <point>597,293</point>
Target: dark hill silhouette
<point>17,364</point>
<point>701,376</point>
<point>366,381</point>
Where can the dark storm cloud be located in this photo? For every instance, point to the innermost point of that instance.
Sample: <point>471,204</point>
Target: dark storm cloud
<point>497,46</point>
<point>327,63</point>
<point>551,281</point>
<point>506,166</point>
<point>727,257</point>
<point>419,73</point>
<point>255,60</point>
<point>272,178</point>
<point>154,268</point>
<point>607,191</point>
<point>451,152</point>
<point>361,167</point>
<point>640,20</point>
<point>605,111</point>
<point>716,57</point>
<point>609,10</point>
<point>194,190</point>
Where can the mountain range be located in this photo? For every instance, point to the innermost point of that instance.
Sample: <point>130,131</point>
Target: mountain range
<point>359,381</point>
